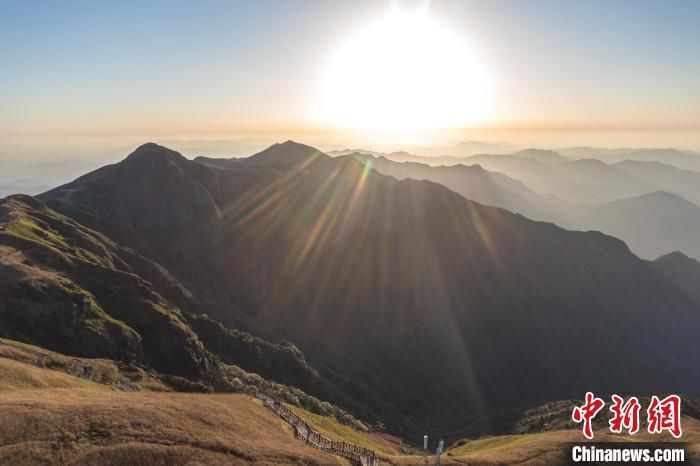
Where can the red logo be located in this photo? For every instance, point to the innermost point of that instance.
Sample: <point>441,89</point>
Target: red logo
<point>587,412</point>
<point>661,415</point>
<point>665,415</point>
<point>625,415</point>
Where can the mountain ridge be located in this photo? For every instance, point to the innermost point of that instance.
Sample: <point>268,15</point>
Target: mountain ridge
<point>652,223</point>
<point>471,181</point>
<point>71,289</point>
<point>371,278</point>
<point>374,277</point>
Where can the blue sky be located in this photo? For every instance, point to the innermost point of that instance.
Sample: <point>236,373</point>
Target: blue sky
<point>213,68</point>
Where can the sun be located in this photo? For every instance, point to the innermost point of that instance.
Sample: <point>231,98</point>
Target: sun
<point>402,73</point>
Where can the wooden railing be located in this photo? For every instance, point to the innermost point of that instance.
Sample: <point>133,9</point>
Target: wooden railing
<point>357,455</point>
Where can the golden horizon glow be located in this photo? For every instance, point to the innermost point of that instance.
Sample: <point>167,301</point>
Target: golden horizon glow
<point>403,74</point>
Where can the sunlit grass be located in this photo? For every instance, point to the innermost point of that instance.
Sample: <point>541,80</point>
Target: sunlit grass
<point>493,443</point>
<point>20,376</point>
<point>335,430</point>
<point>86,427</point>
<point>18,370</point>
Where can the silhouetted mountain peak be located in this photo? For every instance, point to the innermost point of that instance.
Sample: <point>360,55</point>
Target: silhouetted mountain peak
<point>663,196</point>
<point>681,270</point>
<point>24,198</point>
<point>152,152</point>
<point>655,200</point>
<point>362,156</point>
<point>475,168</point>
<point>675,256</point>
<point>288,152</point>
<point>541,155</point>
<point>400,153</point>
<point>590,163</point>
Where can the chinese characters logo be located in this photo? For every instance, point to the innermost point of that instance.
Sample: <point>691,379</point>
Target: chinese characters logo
<point>662,415</point>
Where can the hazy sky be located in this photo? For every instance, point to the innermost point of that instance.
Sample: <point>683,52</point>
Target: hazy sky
<point>87,70</point>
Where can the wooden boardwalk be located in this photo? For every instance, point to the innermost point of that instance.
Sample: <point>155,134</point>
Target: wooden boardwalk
<point>357,455</point>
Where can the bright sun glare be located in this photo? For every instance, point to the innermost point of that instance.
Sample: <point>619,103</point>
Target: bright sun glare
<point>402,73</point>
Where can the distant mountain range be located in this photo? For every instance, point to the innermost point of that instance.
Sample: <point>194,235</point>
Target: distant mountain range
<point>685,183</point>
<point>473,182</point>
<point>415,306</point>
<point>625,199</point>
<point>403,156</point>
<point>651,224</point>
<point>458,152</point>
<point>685,160</point>
<point>582,181</point>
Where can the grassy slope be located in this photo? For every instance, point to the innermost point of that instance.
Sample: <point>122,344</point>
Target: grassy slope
<point>16,375</point>
<point>105,371</point>
<point>65,419</point>
<point>50,416</point>
<point>535,448</point>
<point>73,290</point>
<point>132,378</point>
<point>545,448</point>
<point>334,430</point>
<point>532,448</point>
<point>63,283</point>
<point>548,447</point>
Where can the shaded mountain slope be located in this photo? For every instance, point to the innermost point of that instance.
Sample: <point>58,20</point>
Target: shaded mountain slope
<point>71,289</point>
<point>67,288</point>
<point>681,270</point>
<point>174,198</point>
<point>579,181</point>
<point>472,182</point>
<point>651,224</point>
<point>545,171</point>
<point>398,284</point>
